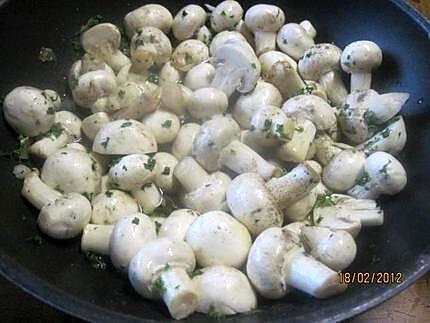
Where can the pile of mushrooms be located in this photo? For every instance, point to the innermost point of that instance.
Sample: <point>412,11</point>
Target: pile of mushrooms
<point>272,165</point>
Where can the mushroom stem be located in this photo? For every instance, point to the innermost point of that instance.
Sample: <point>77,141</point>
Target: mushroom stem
<point>334,87</point>
<point>37,192</point>
<point>179,295</point>
<point>242,159</point>
<point>96,238</point>
<point>264,41</point>
<point>190,174</point>
<point>226,79</point>
<point>360,81</point>
<point>48,145</point>
<point>311,276</point>
<point>149,197</point>
<point>294,185</point>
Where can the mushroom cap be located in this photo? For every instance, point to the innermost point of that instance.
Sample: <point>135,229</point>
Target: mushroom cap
<point>93,123</point>
<point>226,15</point>
<point>123,137</point>
<point>28,111</point>
<point>72,170</point>
<point>225,290</point>
<point>265,263</point>
<point>132,171</point>
<point>188,54</point>
<point>313,108</point>
<point>207,102</point>
<point>129,235</point>
<point>214,134</point>
<point>224,37</point>
<point>212,233</point>
<point>153,15</point>
<point>164,125</point>
<point>188,21</point>
<point>319,60</point>
<point>293,40</point>
<point>153,258</point>
<point>101,36</point>
<point>164,166</point>
<point>263,17</point>
<point>70,122</point>
<point>175,226</point>
<point>361,57</point>
<point>65,217</point>
<point>200,76</point>
<point>110,206</point>
<point>268,59</point>
<point>183,144</point>
<point>251,203</point>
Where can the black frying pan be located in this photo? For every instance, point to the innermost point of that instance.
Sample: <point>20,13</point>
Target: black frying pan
<point>58,274</point>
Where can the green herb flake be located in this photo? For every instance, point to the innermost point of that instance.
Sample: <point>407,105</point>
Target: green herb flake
<point>281,133</point>
<point>223,13</point>
<point>157,226</point>
<point>55,131</point>
<point>268,125</point>
<point>36,239</point>
<point>386,132</point>
<point>105,142</point>
<point>195,273</point>
<point>308,89</point>
<point>135,221</point>
<point>21,152</point>
<point>121,94</point>
<point>89,196</point>
<point>214,314</point>
<point>158,287</point>
<point>153,78</point>
<point>166,124</point>
<point>384,169</point>
<point>58,188</point>
<point>96,261</point>
<point>166,207</point>
<point>299,129</point>
<point>375,259</point>
<point>254,66</point>
<point>46,55</point>
<point>363,179</point>
<point>211,144</point>
<point>126,124</point>
<point>166,171</point>
<point>184,13</point>
<point>75,40</point>
<point>109,193</point>
<point>150,164</point>
<point>324,200</point>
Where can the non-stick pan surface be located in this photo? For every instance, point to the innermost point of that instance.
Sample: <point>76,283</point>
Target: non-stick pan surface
<point>58,274</point>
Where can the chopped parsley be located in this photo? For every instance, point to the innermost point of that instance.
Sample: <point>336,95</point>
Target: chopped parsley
<point>158,287</point>
<point>55,131</point>
<point>58,188</point>
<point>184,13</point>
<point>267,125</point>
<point>167,124</point>
<point>214,314</point>
<point>211,144</point>
<point>126,124</point>
<point>254,66</point>
<point>299,129</point>
<point>135,221</point>
<point>46,55</point>
<point>121,93</point>
<point>153,78</point>
<point>108,193</point>
<point>223,13</point>
<point>384,169</point>
<point>51,110</point>
<point>386,132</point>
<point>96,261</point>
<point>361,181</point>
<point>166,171</point>
<point>324,200</point>
<point>89,196</point>
<point>157,226</point>
<point>76,38</point>
<point>21,152</point>
<point>195,273</point>
<point>308,89</point>
<point>281,133</point>
<point>36,239</point>
<point>166,207</point>
<point>150,164</point>
<point>105,142</point>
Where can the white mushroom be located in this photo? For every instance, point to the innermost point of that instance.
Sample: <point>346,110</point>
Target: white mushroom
<point>183,144</point>
<point>264,21</point>
<point>382,174</point>
<point>359,59</point>
<point>294,39</point>
<point>153,15</point>
<point>204,34</point>
<point>163,125</point>
<point>207,102</point>
<point>224,290</point>
<point>125,136</point>
<point>149,197</point>
<point>93,123</point>
<point>72,170</point>
<point>326,149</point>
<point>96,238</point>
<point>65,217</point>
<point>177,223</point>
<point>129,235</point>
<point>322,63</point>
<point>203,192</point>
<point>200,76</point>
<point>276,262</point>
<point>163,171</point>
<point>212,233</point>
<point>110,206</point>
<point>224,37</point>
<point>226,15</point>
<point>160,270</point>
<point>29,111</point>
<point>37,192</point>
<point>188,54</point>
<point>103,41</point>
<point>383,107</point>
<point>335,249</point>
<point>188,21</point>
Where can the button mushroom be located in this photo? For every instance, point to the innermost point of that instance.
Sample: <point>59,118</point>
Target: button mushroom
<point>154,15</point>
<point>160,270</point>
<point>264,21</point>
<point>96,238</point>
<point>188,54</point>
<point>293,39</point>
<point>212,233</point>
<point>200,76</point>
<point>226,15</point>
<point>93,123</point>
<point>224,37</point>
<point>110,206</point>
<point>163,171</point>
<point>183,144</point>
<point>359,59</point>
<point>65,217</point>
<point>188,21</point>
<point>37,192</point>
<point>207,102</point>
<point>164,125</point>
<point>177,223</point>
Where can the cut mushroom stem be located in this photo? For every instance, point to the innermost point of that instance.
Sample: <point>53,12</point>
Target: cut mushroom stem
<point>149,197</point>
<point>37,192</point>
<point>96,238</point>
<point>189,166</point>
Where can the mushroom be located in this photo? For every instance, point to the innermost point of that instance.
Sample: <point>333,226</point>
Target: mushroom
<point>277,262</point>
<point>382,174</point>
<point>224,290</point>
<point>207,102</point>
<point>245,107</point>
<point>149,197</point>
<point>93,123</point>
<point>237,68</point>
<point>359,59</point>
<point>110,206</point>
<point>183,144</point>
<point>29,111</point>
<point>160,270</point>
<point>204,34</point>
<point>264,21</point>
<point>164,166</point>
<point>383,107</point>
<point>203,192</point>
<point>154,15</point>
<point>37,192</point>
<point>188,21</point>
<point>149,47</point>
<point>70,121</point>
<point>20,171</point>
<point>124,136</point>
<point>212,233</point>
<point>281,70</point>
<point>335,249</point>
<point>326,149</point>
<point>72,170</point>
<point>258,205</point>
<point>65,217</point>
<point>96,238</point>
<point>224,37</point>
<point>200,76</point>
<point>341,173</point>
<point>163,125</point>
<point>293,39</point>
<point>226,15</point>
<point>129,235</point>
<point>177,223</point>
<point>103,41</point>
<point>312,87</point>
<point>188,54</point>
<point>296,227</point>
<point>321,63</point>
<point>132,171</point>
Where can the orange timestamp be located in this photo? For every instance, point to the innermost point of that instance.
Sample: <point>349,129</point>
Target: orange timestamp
<point>381,277</point>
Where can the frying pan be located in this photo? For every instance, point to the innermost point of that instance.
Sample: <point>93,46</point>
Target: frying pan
<point>58,274</point>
